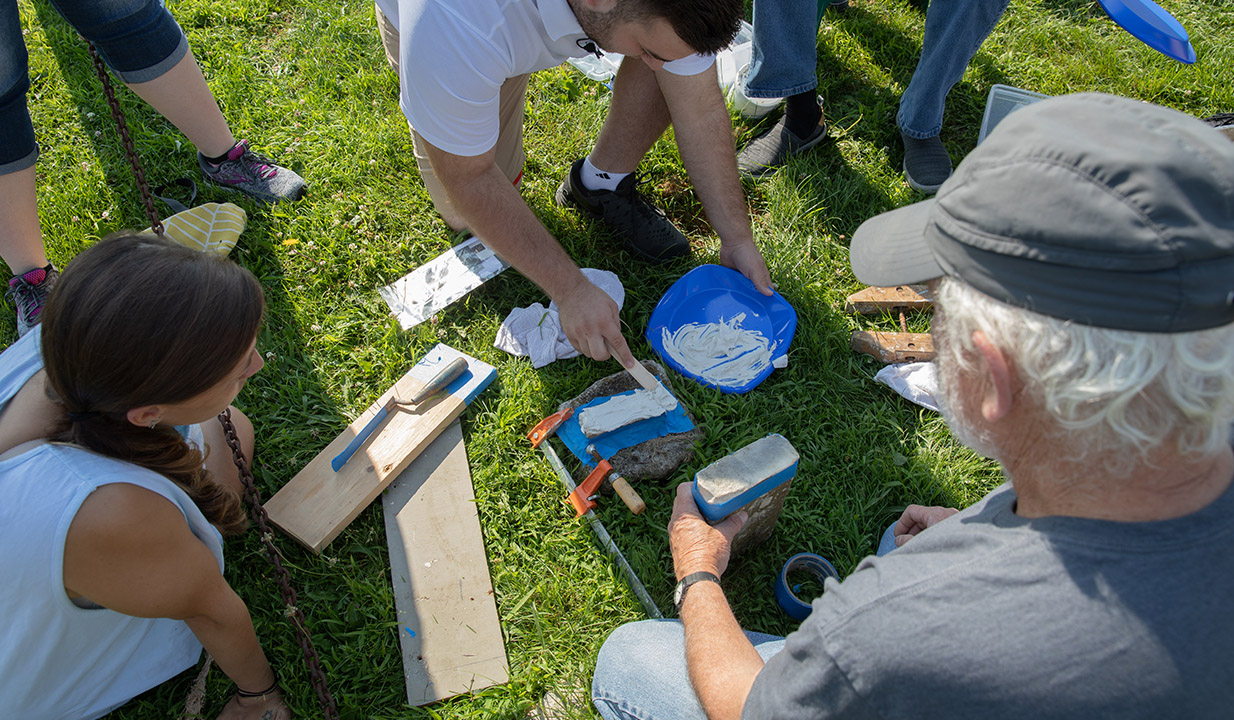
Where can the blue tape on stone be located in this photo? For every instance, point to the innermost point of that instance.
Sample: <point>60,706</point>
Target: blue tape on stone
<point>811,563</point>
<point>608,444</point>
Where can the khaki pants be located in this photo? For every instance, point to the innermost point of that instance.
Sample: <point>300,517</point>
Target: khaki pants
<point>509,149</point>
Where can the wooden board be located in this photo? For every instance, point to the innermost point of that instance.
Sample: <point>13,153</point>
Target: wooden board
<point>894,347</point>
<point>447,615</point>
<point>877,300</point>
<point>318,503</point>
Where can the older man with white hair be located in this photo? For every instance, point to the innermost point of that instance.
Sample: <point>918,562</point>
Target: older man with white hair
<point>1083,258</point>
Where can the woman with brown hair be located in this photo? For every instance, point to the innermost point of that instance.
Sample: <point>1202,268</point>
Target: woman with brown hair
<point>116,484</point>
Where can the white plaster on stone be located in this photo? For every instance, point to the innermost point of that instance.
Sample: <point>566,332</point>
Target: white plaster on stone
<point>621,410</point>
<point>739,471</point>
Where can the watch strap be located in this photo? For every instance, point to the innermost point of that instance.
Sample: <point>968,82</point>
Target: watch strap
<point>687,581</point>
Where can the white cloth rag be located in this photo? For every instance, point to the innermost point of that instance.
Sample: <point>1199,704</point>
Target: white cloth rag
<point>536,332</point>
<point>917,382</point>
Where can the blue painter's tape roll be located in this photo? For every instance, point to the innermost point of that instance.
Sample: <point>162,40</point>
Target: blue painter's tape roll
<point>811,563</point>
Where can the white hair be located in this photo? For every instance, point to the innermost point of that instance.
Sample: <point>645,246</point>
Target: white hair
<point>1109,392</point>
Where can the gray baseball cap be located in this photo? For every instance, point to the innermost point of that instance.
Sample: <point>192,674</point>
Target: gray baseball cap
<point>1099,209</point>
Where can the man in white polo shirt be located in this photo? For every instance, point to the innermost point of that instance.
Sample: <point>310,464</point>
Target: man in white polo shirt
<point>463,69</point>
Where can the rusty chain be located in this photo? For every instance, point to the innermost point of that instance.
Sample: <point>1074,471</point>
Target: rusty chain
<point>130,152</point>
<point>317,677</point>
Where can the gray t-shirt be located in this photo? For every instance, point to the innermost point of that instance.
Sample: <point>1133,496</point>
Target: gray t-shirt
<point>991,615</point>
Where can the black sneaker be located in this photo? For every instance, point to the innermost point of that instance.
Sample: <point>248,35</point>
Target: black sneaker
<point>774,147</point>
<point>642,226</point>
<point>1223,122</point>
<point>253,174</point>
<point>28,292</point>
<point>926,163</point>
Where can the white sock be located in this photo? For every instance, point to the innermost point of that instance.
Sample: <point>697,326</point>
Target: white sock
<point>596,179</point>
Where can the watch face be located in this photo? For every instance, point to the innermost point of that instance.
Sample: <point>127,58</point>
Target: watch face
<point>679,593</point>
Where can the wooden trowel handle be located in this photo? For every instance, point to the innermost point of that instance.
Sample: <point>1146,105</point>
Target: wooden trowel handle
<point>628,495</point>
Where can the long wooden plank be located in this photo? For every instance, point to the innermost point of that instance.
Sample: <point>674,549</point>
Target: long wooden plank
<point>316,504</point>
<point>443,594</point>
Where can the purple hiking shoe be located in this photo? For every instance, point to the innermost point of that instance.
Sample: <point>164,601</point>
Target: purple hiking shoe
<point>28,292</point>
<point>254,175</point>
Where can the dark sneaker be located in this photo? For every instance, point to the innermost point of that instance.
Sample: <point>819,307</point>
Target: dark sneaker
<point>254,175</point>
<point>926,163</point>
<point>774,147</point>
<point>28,292</point>
<point>642,226</point>
<point>1223,122</point>
<point>1220,120</point>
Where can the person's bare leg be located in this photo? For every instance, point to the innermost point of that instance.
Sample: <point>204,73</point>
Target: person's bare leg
<point>182,96</point>
<point>219,459</point>
<point>21,239</point>
<point>637,117</point>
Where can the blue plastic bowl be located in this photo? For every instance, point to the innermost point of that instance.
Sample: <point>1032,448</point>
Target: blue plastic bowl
<point>709,293</point>
<point>1153,26</point>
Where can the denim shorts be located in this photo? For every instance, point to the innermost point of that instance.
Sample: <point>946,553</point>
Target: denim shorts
<point>139,40</point>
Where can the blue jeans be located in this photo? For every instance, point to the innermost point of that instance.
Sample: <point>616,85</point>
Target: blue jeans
<point>954,30</point>
<point>641,670</point>
<point>138,39</point>
<point>784,61</point>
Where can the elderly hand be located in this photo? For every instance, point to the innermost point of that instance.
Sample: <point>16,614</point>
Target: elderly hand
<point>697,546</point>
<point>745,258</point>
<point>267,707</point>
<point>917,518</point>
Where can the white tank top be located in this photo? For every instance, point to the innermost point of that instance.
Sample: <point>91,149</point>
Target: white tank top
<point>58,660</point>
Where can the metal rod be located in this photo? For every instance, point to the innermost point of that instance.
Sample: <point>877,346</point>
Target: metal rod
<point>606,541</point>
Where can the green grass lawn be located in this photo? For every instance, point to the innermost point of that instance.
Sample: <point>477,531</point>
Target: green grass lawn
<point>306,82</point>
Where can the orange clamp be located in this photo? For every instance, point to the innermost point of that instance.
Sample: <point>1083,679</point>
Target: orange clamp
<point>582,496</point>
<point>546,427</point>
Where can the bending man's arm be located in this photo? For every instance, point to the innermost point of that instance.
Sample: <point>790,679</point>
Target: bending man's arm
<point>719,656</point>
<point>705,139</point>
<point>496,213</point>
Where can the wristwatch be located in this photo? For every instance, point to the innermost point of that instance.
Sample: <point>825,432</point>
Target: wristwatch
<point>679,595</point>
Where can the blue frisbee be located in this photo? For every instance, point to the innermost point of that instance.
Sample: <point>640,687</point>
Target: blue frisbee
<point>712,294</point>
<point>1153,26</point>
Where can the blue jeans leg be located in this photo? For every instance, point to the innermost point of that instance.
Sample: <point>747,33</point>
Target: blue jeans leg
<point>641,672</point>
<point>785,55</point>
<point>18,149</point>
<point>139,39</point>
<point>954,30</point>
<point>888,542</point>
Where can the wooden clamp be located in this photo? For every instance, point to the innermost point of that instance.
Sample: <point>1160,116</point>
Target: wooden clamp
<point>877,300</point>
<point>892,347</point>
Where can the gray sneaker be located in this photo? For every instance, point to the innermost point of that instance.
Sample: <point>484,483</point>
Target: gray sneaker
<point>254,175</point>
<point>775,146</point>
<point>926,163</point>
<point>28,293</point>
